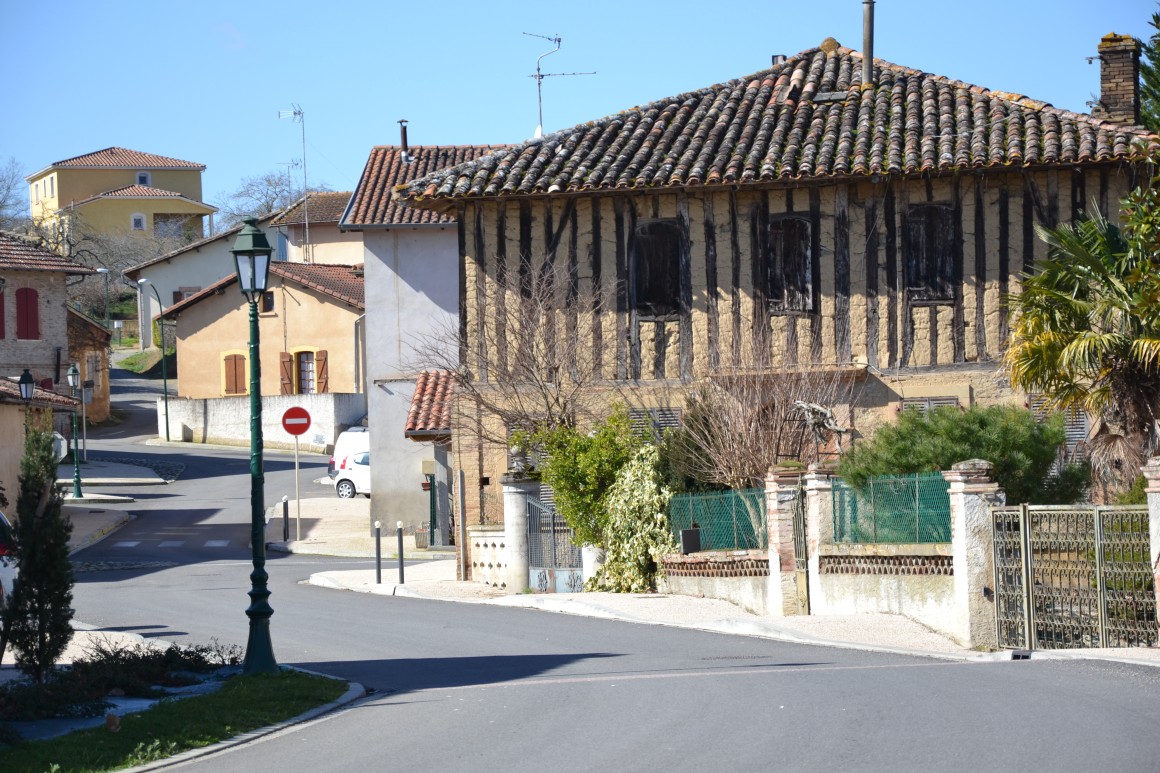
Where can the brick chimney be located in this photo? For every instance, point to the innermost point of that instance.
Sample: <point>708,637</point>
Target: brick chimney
<point>1119,79</point>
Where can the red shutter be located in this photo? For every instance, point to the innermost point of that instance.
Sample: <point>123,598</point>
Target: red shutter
<point>27,314</point>
<point>322,375</point>
<point>1,315</point>
<point>286,362</point>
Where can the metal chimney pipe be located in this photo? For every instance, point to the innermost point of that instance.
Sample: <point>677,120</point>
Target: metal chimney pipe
<point>867,43</point>
<point>403,134</point>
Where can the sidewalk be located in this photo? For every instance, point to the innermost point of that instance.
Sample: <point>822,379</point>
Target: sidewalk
<point>342,527</point>
<point>97,474</point>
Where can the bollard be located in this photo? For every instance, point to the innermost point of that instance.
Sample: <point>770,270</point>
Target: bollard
<point>285,519</point>
<point>399,530</point>
<point>378,553</point>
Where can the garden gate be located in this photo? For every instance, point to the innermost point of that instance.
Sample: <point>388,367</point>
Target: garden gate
<point>1073,576</point>
<point>554,563</point>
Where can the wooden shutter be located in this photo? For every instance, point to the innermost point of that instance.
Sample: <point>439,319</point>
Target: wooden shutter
<point>789,269</point>
<point>1,315</point>
<point>321,373</point>
<point>235,366</point>
<point>286,368</point>
<point>27,314</point>
<point>930,242</point>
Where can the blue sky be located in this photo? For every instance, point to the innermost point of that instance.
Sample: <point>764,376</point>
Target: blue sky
<point>205,81</point>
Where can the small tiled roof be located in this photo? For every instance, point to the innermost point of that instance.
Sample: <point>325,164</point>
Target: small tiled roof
<point>123,158</point>
<point>10,393</point>
<point>430,415</point>
<point>807,118</point>
<point>372,204</point>
<point>343,283</point>
<point>324,207</point>
<point>20,254</point>
<point>143,192</point>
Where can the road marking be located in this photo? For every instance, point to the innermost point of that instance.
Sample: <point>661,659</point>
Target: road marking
<point>172,543</point>
<point>217,543</point>
<point>126,544</point>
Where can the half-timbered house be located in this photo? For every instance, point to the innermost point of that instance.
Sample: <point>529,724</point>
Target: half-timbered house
<point>819,213</point>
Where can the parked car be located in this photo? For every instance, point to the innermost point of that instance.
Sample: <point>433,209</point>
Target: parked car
<point>353,441</point>
<point>7,558</point>
<point>355,477</point>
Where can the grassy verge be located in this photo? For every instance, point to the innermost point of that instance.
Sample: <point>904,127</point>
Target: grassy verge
<point>148,363</point>
<point>243,704</point>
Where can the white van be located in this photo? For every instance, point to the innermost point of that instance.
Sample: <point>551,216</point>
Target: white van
<point>355,440</point>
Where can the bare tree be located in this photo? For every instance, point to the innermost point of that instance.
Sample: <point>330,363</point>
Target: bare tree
<point>531,362</point>
<point>260,195</point>
<point>13,196</point>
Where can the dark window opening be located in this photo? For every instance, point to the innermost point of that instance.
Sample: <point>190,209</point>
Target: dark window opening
<point>656,268</point>
<point>788,269</point>
<point>930,253</point>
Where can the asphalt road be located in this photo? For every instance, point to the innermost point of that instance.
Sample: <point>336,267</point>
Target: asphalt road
<point>469,687</point>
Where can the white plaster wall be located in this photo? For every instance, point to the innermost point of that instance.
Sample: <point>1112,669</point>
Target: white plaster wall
<point>749,593</point>
<point>412,291</point>
<point>200,267</point>
<point>928,599</point>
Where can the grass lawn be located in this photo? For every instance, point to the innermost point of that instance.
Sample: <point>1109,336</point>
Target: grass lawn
<point>148,363</point>
<point>244,703</point>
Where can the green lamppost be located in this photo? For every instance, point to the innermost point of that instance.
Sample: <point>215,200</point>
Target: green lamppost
<point>74,380</point>
<point>252,255</point>
<point>105,271</point>
<point>164,374</point>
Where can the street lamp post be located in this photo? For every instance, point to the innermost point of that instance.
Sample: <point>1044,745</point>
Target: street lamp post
<point>74,380</point>
<point>105,271</point>
<point>252,256</point>
<point>27,390</point>
<point>164,375</point>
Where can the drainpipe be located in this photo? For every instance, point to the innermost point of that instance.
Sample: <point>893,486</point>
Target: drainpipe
<point>867,44</point>
<point>360,359</point>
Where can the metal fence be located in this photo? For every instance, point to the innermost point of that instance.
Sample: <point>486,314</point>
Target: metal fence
<point>728,520</point>
<point>1073,576</point>
<point>894,509</point>
<point>549,539</point>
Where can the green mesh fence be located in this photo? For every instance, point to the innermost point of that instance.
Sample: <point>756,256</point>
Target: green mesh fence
<point>728,520</point>
<point>905,508</point>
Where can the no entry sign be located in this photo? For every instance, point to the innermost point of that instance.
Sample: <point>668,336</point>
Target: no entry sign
<point>296,420</point>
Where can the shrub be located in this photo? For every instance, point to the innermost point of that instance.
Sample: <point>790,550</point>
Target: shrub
<point>637,535</point>
<point>581,468</point>
<point>1022,450</point>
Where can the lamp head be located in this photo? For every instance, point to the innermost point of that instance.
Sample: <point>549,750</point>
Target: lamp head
<point>252,257</point>
<point>73,376</point>
<point>27,386</point>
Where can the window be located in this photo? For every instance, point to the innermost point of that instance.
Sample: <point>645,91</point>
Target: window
<point>1076,425</point>
<point>27,314</point>
<point>280,252</point>
<point>143,178</point>
<point>93,370</point>
<point>652,422</point>
<point>36,193</point>
<point>655,255</point>
<point>138,222</point>
<point>52,186</point>
<point>181,293</point>
<point>268,301</point>
<point>930,253</point>
<point>235,374</point>
<point>924,404</point>
<point>304,367</point>
<point>788,269</point>
<point>169,226</point>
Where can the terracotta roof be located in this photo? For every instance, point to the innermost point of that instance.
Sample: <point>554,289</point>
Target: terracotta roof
<point>372,204</point>
<point>343,283</point>
<point>140,192</point>
<point>805,119</point>
<point>430,415</point>
<point>325,207</point>
<point>10,393</point>
<point>19,254</point>
<point>123,158</point>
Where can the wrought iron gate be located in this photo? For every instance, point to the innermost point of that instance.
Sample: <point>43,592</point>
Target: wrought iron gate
<point>801,562</point>
<point>1068,577</point>
<point>554,563</point>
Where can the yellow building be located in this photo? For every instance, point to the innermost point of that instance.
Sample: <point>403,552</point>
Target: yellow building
<point>116,190</point>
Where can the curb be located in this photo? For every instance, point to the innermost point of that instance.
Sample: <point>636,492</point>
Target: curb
<point>91,539</point>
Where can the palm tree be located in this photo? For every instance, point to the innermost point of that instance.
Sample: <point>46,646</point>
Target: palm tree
<point>1087,332</point>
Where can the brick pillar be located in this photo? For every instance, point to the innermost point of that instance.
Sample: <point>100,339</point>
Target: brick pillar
<point>1119,79</point>
<point>972,494</point>
<point>516,489</point>
<point>1152,472</point>
<point>781,591</point>
<point>819,525</point>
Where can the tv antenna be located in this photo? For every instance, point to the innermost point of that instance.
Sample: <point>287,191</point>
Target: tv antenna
<point>539,76</point>
<point>299,116</point>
